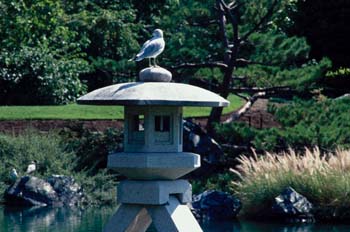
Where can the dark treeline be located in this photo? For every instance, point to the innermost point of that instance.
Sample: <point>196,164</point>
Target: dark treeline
<point>54,51</point>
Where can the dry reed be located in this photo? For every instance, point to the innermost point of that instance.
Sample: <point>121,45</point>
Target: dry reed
<point>323,178</point>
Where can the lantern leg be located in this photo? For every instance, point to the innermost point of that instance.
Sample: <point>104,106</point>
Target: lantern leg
<point>173,217</point>
<point>129,218</point>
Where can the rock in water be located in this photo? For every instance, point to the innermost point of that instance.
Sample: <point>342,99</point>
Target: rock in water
<point>56,191</point>
<point>215,205</point>
<point>30,190</point>
<point>69,192</point>
<point>292,205</point>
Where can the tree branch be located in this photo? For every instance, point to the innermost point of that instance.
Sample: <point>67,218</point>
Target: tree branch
<point>235,115</point>
<point>227,9</point>
<point>200,65</point>
<point>231,61</point>
<point>222,22</point>
<point>253,90</point>
<point>258,93</point>
<point>244,62</point>
<point>241,96</point>
<point>203,24</point>
<point>261,22</point>
<point>234,5</point>
<point>239,78</point>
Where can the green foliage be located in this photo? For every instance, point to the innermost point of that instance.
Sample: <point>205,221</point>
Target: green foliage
<point>18,151</point>
<point>41,58</point>
<point>36,76</point>
<point>113,31</point>
<point>299,78</point>
<point>277,48</point>
<point>54,47</point>
<point>220,182</point>
<point>53,156</point>
<point>92,148</point>
<point>186,42</point>
<point>277,58</point>
<point>101,187</point>
<point>340,73</point>
<point>304,124</point>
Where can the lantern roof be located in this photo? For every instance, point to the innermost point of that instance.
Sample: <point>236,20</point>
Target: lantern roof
<point>153,93</point>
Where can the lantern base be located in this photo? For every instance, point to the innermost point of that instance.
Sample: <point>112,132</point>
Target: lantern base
<point>162,202</point>
<point>170,217</point>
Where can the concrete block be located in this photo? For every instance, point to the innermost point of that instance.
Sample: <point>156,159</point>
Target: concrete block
<point>153,192</point>
<point>154,166</point>
<point>129,218</point>
<point>173,217</point>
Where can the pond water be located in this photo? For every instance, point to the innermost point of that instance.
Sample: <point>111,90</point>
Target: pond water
<point>93,219</point>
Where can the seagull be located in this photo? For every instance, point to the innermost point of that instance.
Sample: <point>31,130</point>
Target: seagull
<point>152,48</point>
<point>31,167</point>
<point>13,175</point>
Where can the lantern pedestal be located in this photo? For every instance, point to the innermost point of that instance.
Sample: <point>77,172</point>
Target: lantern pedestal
<point>162,202</point>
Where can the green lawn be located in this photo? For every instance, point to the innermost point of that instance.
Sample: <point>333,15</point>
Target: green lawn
<point>74,111</point>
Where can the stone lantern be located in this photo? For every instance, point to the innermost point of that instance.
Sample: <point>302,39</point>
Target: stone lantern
<point>153,159</point>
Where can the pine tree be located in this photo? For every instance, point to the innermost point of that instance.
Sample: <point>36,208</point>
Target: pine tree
<point>239,46</point>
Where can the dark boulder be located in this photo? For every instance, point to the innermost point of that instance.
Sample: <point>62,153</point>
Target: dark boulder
<point>56,191</point>
<point>292,206</point>
<point>215,205</point>
<point>196,140</point>
<point>69,192</point>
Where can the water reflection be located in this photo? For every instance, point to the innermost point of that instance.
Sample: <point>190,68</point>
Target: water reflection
<point>222,226</point>
<point>253,226</point>
<point>247,226</point>
<point>47,219</point>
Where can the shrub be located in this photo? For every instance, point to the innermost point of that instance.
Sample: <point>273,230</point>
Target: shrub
<point>303,124</point>
<point>219,181</point>
<point>41,58</point>
<point>323,179</point>
<point>51,153</point>
<point>38,76</point>
<point>92,147</point>
<point>17,152</point>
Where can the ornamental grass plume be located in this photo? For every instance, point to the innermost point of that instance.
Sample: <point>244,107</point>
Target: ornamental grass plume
<point>323,178</point>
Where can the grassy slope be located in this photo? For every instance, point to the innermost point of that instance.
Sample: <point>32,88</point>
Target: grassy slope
<point>74,111</point>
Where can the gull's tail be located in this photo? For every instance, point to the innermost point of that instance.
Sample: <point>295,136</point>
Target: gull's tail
<point>137,58</point>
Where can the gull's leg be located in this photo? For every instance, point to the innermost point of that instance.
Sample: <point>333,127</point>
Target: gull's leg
<point>155,62</point>
<point>149,62</point>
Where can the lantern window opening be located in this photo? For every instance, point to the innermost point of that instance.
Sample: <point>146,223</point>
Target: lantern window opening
<point>162,123</point>
<point>139,122</point>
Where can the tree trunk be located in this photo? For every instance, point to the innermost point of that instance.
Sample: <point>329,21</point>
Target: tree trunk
<point>230,58</point>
